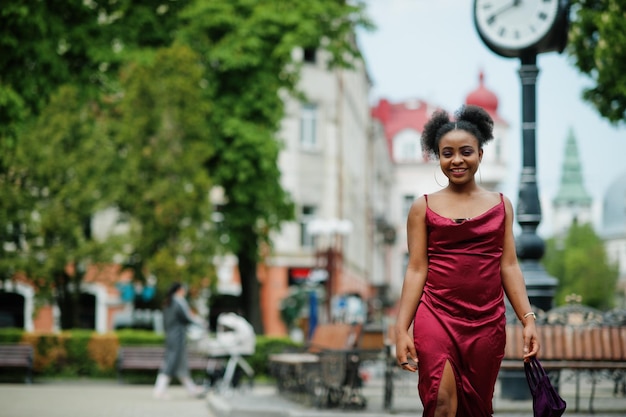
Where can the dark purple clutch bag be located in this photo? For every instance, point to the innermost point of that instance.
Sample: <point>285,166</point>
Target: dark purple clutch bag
<point>546,400</point>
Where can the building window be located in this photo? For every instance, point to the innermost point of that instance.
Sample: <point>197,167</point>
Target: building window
<point>409,151</point>
<point>307,214</point>
<point>308,126</point>
<point>406,146</point>
<point>407,202</point>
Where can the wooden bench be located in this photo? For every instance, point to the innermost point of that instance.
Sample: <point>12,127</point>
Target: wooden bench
<point>333,336</point>
<point>599,351</point>
<point>151,358</point>
<point>18,356</point>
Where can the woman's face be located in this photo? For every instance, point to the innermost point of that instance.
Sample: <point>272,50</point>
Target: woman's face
<point>459,156</point>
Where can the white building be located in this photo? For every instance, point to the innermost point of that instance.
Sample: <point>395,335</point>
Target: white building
<point>337,170</point>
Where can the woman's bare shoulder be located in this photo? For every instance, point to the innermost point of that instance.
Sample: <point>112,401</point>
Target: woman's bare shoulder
<point>420,202</point>
<point>418,208</point>
<point>494,197</point>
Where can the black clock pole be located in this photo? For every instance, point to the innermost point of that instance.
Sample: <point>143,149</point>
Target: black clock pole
<point>529,246</point>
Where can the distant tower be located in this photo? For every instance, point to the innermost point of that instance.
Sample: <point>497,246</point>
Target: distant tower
<point>572,202</point>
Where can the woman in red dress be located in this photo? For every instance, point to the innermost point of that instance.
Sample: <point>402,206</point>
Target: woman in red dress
<point>462,262</point>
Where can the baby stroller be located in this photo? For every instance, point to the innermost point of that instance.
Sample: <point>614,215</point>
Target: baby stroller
<point>234,339</point>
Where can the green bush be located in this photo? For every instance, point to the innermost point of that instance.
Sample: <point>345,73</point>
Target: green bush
<point>80,352</point>
<point>11,335</point>
<point>78,360</point>
<point>103,349</point>
<point>134,337</point>
<point>64,354</point>
<point>50,354</point>
<point>265,346</point>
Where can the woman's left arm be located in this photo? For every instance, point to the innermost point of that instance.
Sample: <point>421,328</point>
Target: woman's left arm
<point>515,287</point>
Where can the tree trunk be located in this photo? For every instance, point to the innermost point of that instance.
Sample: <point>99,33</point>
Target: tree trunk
<point>66,301</point>
<point>250,288</point>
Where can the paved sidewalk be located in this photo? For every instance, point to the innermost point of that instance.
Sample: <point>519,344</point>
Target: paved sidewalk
<point>265,401</point>
<point>91,398</point>
<point>95,399</point>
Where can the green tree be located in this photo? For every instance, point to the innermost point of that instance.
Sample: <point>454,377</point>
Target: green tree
<point>41,44</point>
<point>62,161</point>
<point>580,263</point>
<point>46,44</point>
<point>597,45</point>
<point>163,140</point>
<point>248,47</point>
<point>12,193</point>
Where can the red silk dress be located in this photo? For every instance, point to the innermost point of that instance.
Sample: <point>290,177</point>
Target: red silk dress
<point>461,315</point>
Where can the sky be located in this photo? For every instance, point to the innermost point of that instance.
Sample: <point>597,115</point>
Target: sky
<point>430,50</point>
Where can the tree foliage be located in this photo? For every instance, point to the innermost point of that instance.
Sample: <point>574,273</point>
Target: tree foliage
<point>45,47</point>
<point>597,45</point>
<point>12,213</point>
<point>580,263</point>
<point>46,44</point>
<point>153,140</point>
<point>63,160</point>
<point>248,47</point>
<point>163,141</point>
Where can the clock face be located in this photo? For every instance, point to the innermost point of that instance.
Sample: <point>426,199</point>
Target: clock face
<point>515,24</point>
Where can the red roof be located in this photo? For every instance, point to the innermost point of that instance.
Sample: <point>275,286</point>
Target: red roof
<point>411,114</point>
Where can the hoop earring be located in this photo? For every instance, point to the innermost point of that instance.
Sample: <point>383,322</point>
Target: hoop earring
<point>480,177</point>
<point>435,176</point>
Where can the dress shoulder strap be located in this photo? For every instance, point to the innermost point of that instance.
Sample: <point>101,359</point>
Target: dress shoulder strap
<point>426,198</point>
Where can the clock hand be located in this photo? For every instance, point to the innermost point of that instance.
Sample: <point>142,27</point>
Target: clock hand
<point>504,8</point>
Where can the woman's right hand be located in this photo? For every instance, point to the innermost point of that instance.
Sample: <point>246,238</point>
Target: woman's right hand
<point>531,340</point>
<point>405,351</point>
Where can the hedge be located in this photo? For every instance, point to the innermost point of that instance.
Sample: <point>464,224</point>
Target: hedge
<point>85,353</point>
